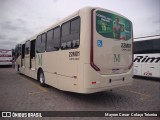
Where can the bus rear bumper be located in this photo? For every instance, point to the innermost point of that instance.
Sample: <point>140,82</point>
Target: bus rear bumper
<point>95,82</point>
<point>101,89</point>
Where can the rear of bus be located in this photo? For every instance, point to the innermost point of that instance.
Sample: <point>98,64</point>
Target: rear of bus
<point>5,57</point>
<point>111,52</point>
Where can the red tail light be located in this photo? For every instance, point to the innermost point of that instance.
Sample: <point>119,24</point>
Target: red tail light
<point>93,82</point>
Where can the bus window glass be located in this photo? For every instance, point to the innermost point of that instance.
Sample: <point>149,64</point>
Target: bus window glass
<point>66,29</point>
<point>71,41</point>
<point>113,26</point>
<point>18,51</point>
<point>147,46</point>
<point>38,43</point>
<point>27,48</point>
<point>75,26</point>
<point>23,51</point>
<point>56,38</point>
<point>50,41</point>
<point>32,50</point>
<point>75,32</point>
<point>43,42</point>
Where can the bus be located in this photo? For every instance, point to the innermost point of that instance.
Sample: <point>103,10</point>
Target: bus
<point>5,57</point>
<point>87,52</point>
<point>147,56</point>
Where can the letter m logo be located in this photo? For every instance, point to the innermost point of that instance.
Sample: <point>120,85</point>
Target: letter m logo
<point>116,57</point>
<point>39,59</point>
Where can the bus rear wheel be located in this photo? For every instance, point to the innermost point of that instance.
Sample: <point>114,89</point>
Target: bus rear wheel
<point>41,78</point>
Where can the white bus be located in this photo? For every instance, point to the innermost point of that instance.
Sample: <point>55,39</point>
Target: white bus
<point>87,52</point>
<point>5,57</point>
<point>147,57</point>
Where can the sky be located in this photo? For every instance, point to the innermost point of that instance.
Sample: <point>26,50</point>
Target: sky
<point>21,19</point>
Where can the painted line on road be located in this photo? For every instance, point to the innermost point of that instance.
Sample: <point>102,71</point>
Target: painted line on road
<point>136,92</point>
<point>32,93</point>
<point>38,87</point>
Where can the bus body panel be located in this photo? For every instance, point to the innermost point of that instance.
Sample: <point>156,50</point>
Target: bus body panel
<point>97,82</point>
<point>147,65</point>
<point>147,56</point>
<point>49,66</point>
<point>5,57</point>
<point>137,69</point>
<point>67,70</point>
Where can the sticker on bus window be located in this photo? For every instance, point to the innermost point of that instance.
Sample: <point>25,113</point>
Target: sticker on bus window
<point>113,26</point>
<point>99,43</point>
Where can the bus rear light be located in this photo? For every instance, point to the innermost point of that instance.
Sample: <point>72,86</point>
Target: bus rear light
<point>93,82</point>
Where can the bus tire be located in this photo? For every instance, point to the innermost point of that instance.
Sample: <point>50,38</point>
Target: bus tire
<point>41,78</point>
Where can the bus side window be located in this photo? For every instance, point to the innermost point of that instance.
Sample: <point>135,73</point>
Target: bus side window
<point>56,39</point>
<point>53,39</point>
<point>38,43</point>
<point>65,35</point>
<point>50,43</point>
<point>23,51</point>
<point>17,51</point>
<point>70,34</point>
<point>75,32</point>
<point>32,50</point>
<point>41,43</point>
<point>23,54</point>
<point>27,48</point>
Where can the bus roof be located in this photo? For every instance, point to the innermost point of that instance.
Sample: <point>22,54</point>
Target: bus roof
<point>65,20</point>
<point>147,38</point>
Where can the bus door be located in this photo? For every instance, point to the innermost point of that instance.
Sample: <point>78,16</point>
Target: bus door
<point>32,55</point>
<point>23,54</point>
<point>27,54</point>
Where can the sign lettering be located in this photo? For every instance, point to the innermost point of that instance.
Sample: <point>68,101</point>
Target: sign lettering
<point>116,57</point>
<point>74,53</point>
<point>147,59</point>
<point>126,46</point>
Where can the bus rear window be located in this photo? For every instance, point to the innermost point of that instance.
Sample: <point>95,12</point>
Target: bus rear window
<point>113,26</point>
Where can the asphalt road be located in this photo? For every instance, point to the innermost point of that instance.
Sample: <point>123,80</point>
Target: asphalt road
<point>20,93</point>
